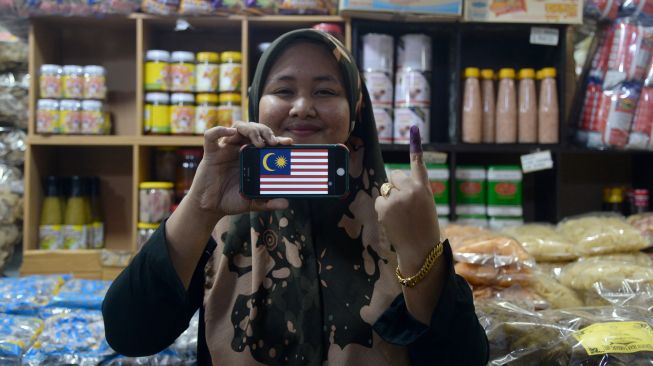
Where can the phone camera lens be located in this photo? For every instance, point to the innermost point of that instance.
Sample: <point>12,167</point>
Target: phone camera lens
<point>340,172</point>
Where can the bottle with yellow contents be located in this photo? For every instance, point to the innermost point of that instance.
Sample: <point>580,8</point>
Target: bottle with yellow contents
<point>76,217</point>
<point>156,120</point>
<point>229,109</point>
<point>206,112</point>
<point>52,212</point>
<point>157,75</point>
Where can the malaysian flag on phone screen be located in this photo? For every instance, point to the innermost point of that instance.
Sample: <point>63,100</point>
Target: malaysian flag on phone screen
<point>294,171</point>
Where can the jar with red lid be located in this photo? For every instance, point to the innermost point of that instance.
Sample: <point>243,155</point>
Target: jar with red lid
<point>188,159</point>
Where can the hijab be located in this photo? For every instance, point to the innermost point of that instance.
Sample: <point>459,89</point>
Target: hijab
<point>304,285</point>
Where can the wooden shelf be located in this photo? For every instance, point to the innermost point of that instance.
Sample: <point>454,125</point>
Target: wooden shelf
<point>170,141</point>
<point>74,140</point>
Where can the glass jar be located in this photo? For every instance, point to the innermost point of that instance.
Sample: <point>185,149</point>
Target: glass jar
<point>73,82</point>
<point>182,113</point>
<point>165,164</point>
<point>50,81</point>
<point>47,116</point>
<point>207,72</point>
<point>145,231</point>
<point>188,160</point>
<point>156,120</point>
<point>70,116</point>
<point>95,85</point>
<point>155,199</point>
<point>93,118</point>
<point>157,67</point>
<point>230,70</point>
<point>206,112</point>
<point>229,110</point>
<point>182,71</point>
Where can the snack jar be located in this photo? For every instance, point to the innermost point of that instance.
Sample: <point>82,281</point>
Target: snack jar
<point>182,113</point>
<point>156,120</point>
<point>207,72</point>
<point>73,82</point>
<point>47,116</point>
<point>93,118</point>
<point>229,109</point>
<point>95,85</point>
<point>230,71</point>
<point>50,81</point>
<point>182,71</point>
<point>157,67</point>
<point>145,231</point>
<point>70,116</point>
<point>155,199</point>
<point>206,112</point>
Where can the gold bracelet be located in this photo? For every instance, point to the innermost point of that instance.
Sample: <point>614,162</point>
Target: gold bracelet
<point>411,281</point>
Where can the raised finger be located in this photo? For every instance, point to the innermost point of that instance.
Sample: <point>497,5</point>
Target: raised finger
<point>268,135</point>
<point>417,167</point>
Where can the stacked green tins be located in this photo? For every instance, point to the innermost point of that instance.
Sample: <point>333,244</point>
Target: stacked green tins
<point>470,195</point>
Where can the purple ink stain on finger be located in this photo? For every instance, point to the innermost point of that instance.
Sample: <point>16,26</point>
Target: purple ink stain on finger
<point>415,140</point>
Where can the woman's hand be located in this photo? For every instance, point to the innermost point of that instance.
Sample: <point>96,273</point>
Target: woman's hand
<point>215,188</point>
<point>408,213</point>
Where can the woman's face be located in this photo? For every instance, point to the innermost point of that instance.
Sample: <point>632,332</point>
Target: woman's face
<point>304,97</point>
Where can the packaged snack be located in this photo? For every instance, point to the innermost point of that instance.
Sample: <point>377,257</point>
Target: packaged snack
<point>226,7</point>
<point>81,294</point>
<point>610,274</point>
<point>601,9</point>
<point>553,269</point>
<point>630,52</point>
<point>13,41</point>
<point>522,296</point>
<point>644,223</point>
<point>160,7</point>
<point>595,235</point>
<point>318,7</point>
<point>9,236</point>
<point>195,7</point>
<point>491,249</point>
<point>636,9</point>
<point>25,295</point>
<point>14,90</point>
<point>615,114</point>
<point>17,333</point>
<point>638,258</point>
<point>543,242</point>
<point>506,276</point>
<point>557,295</point>
<point>456,233</point>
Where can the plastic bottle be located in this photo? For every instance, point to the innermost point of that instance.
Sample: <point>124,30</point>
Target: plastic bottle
<point>51,215</point>
<point>506,117</point>
<point>489,103</point>
<point>97,222</point>
<point>527,126</point>
<point>548,114</point>
<point>472,109</point>
<point>75,230</point>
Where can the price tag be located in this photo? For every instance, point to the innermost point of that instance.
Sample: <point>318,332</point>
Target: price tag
<point>534,162</point>
<point>434,157</point>
<point>545,36</point>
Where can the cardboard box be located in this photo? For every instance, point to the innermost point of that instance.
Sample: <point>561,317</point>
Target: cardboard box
<point>524,11</point>
<point>390,8</point>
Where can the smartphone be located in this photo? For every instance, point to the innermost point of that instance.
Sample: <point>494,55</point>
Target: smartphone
<point>306,171</point>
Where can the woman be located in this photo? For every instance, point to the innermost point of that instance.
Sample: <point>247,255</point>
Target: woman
<point>302,281</point>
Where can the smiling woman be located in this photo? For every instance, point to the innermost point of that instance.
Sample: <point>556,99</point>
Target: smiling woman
<point>305,282</point>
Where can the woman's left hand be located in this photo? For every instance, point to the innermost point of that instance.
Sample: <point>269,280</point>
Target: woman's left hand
<point>408,212</point>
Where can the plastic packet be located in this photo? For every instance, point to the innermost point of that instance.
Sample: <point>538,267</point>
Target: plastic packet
<point>601,9</point>
<point>636,9</point>
<point>226,7</point>
<point>309,7</point>
<point>9,236</point>
<point>609,274</point>
<point>492,250</point>
<point>630,52</point>
<point>543,242</point>
<point>505,276</point>
<point>456,233</point>
<point>13,143</point>
<point>13,40</point>
<point>553,269</point>
<point>602,234</point>
<point>638,258</point>
<point>118,6</point>
<point>523,296</point>
<point>25,295</point>
<point>17,333</point>
<point>644,223</point>
<point>260,7</point>
<point>160,7</point>
<point>556,294</point>
<point>81,294</point>
<point>195,7</point>
<point>186,344</point>
<point>166,357</point>
<point>614,115</point>
<point>75,337</point>
<point>14,99</point>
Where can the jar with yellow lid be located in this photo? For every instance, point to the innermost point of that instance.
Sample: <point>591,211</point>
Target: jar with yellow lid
<point>73,82</point>
<point>182,113</point>
<point>206,112</point>
<point>156,119</point>
<point>182,71</point>
<point>207,72</point>
<point>145,231</point>
<point>155,200</point>
<point>47,116</point>
<point>229,109</point>
<point>70,116</point>
<point>50,81</point>
<point>230,71</point>
<point>157,67</point>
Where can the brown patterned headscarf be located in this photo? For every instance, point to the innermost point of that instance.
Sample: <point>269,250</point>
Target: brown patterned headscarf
<point>305,285</point>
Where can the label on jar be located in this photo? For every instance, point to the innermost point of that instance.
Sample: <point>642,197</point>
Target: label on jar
<point>147,118</point>
<point>95,87</point>
<point>379,85</point>
<point>70,122</point>
<point>207,78</point>
<point>205,117</point>
<point>50,237</point>
<point>92,122</point>
<point>97,237</point>
<point>412,89</point>
<point>157,76</point>
<point>160,119</point>
<point>154,205</point>
<point>47,121</point>
<point>227,115</point>
<point>407,117</point>
<point>230,77</point>
<point>75,236</point>
<point>50,86</point>
<point>383,118</point>
<point>182,119</point>
<point>182,77</point>
<point>73,87</point>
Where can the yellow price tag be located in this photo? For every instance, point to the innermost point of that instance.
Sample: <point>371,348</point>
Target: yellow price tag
<point>616,337</point>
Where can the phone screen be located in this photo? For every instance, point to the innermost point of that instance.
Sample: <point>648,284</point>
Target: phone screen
<point>298,170</point>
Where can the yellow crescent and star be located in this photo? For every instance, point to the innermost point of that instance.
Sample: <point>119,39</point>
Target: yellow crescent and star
<point>279,162</point>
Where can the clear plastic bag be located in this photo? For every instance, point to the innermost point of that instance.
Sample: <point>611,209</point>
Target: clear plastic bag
<point>14,99</point>
<point>455,233</point>
<point>13,143</point>
<point>609,274</point>
<point>644,223</point>
<point>492,250</point>
<point>524,297</point>
<point>81,294</point>
<point>556,294</point>
<point>9,237</point>
<point>13,40</point>
<point>543,242</point>
<point>601,9</point>
<point>25,295</point>
<point>504,276</point>
<point>602,234</point>
<point>17,333</point>
<point>553,269</point>
<point>642,9</point>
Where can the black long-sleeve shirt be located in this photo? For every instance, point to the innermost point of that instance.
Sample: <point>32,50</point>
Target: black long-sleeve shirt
<point>147,308</point>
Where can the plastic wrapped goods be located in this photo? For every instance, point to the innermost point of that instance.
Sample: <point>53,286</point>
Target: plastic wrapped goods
<point>81,294</point>
<point>13,40</point>
<point>14,90</point>
<point>644,223</point>
<point>557,295</point>
<point>595,235</point>
<point>522,296</point>
<point>505,276</point>
<point>25,295</point>
<point>17,333</point>
<point>491,249</point>
<point>543,242</point>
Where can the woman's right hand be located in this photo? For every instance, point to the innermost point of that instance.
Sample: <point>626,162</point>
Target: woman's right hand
<point>216,186</point>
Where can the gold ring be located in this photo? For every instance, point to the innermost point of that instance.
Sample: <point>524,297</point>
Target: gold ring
<point>385,189</point>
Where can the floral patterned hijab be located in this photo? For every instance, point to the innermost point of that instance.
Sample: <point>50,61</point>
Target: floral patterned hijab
<point>304,285</point>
